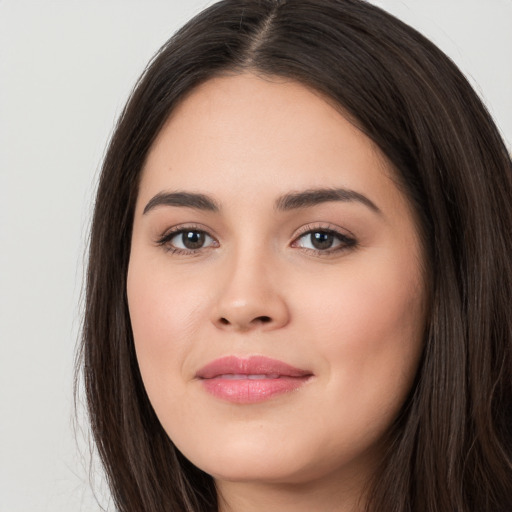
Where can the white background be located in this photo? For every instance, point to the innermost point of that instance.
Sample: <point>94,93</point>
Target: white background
<point>66,68</point>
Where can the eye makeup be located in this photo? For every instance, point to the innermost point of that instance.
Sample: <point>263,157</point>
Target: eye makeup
<point>319,239</point>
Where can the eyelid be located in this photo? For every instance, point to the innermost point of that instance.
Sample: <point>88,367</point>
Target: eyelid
<point>171,232</point>
<point>324,226</point>
<point>347,238</point>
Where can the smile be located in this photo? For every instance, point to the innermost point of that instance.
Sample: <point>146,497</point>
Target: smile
<point>250,380</point>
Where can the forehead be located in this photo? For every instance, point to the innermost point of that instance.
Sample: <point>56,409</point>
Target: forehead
<point>244,132</point>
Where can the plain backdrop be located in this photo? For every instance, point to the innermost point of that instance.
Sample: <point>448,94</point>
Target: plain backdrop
<point>66,69</point>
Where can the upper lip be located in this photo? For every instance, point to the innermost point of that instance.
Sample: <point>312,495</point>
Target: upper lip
<point>253,365</point>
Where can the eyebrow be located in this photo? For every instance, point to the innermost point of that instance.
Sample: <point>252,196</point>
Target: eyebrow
<point>314,197</point>
<point>184,199</point>
<point>291,201</point>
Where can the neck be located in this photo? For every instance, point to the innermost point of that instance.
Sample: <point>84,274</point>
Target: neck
<point>300,497</point>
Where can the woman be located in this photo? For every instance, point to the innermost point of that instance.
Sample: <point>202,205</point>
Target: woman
<point>299,280</point>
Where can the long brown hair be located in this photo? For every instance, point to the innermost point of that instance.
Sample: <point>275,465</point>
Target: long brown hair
<point>450,449</point>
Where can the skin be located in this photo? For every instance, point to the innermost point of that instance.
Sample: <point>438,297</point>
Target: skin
<point>353,315</point>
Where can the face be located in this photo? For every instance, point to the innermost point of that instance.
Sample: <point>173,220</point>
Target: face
<point>275,285</point>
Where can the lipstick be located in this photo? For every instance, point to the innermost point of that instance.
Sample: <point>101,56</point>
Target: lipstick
<point>250,380</point>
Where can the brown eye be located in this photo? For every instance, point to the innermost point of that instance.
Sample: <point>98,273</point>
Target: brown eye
<point>187,240</point>
<point>193,239</point>
<point>321,240</point>
<point>324,240</point>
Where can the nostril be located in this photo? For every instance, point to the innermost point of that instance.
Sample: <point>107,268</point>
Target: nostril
<point>258,320</point>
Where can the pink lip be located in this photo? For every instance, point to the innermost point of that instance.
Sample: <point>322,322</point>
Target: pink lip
<point>250,380</point>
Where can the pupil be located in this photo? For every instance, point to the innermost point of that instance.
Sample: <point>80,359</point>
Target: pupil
<point>321,240</point>
<point>193,239</point>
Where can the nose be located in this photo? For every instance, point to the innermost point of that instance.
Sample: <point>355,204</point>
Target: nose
<point>250,297</point>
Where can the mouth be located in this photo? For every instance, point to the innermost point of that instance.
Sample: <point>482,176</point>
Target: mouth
<point>250,380</point>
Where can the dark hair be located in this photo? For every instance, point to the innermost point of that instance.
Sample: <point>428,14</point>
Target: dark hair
<point>450,449</point>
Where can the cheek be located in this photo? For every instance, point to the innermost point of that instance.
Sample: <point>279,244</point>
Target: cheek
<point>369,326</point>
<point>164,317</point>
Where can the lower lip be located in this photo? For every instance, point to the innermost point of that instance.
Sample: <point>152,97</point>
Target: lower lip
<point>248,391</point>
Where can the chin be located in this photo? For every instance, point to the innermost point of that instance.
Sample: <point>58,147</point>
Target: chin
<point>270,463</point>
<point>245,461</point>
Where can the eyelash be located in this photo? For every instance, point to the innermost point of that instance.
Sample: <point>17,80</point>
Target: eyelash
<point>165,240</point>
<point>345,242</point>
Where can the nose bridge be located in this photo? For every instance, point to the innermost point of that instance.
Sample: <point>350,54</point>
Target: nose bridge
<point>249,296</point>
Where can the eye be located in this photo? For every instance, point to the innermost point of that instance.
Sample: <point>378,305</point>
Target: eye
<point>187,240</point>
<point>323,241</point>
